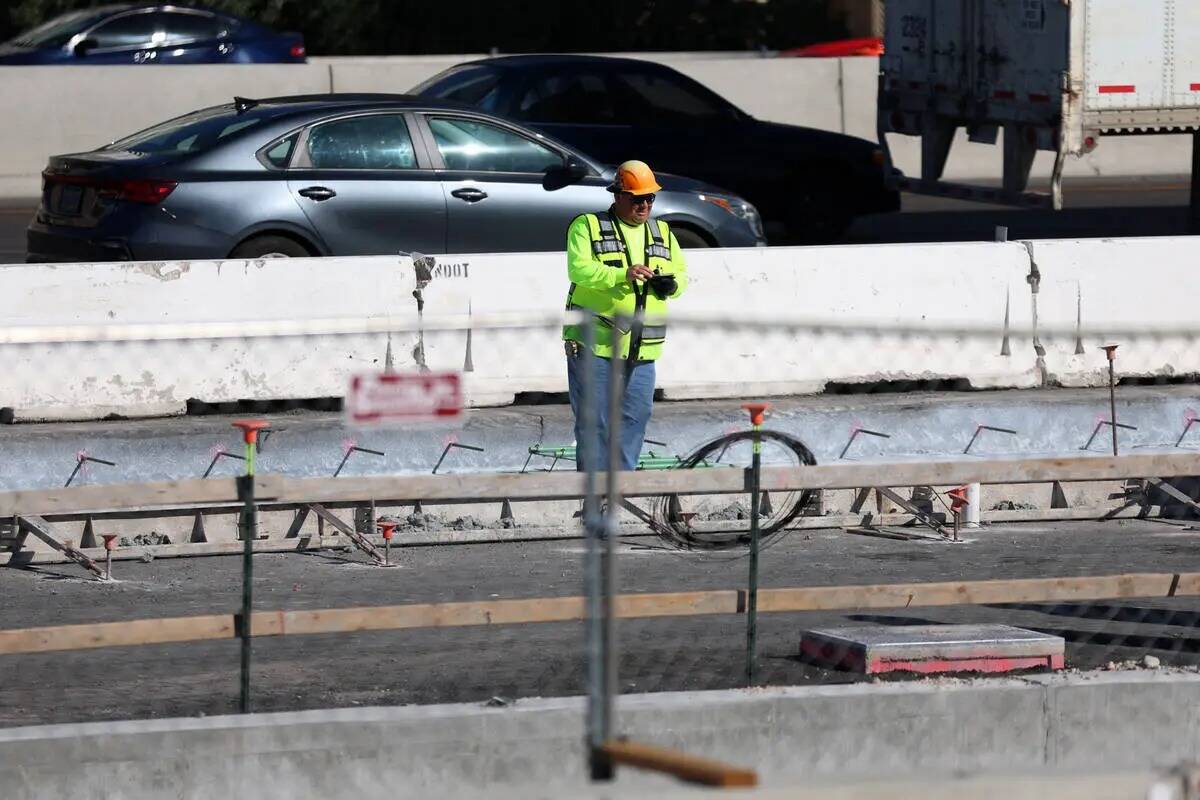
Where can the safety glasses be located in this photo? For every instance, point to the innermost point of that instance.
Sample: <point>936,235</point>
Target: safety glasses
<point>641,200</point>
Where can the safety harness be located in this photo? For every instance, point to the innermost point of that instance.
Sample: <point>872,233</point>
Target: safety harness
<point>612,240</point>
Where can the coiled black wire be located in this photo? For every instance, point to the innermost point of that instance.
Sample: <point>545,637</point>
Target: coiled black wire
<point>681,533</point>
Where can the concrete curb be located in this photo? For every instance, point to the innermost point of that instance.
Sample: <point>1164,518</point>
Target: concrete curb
<point>1114,721</point>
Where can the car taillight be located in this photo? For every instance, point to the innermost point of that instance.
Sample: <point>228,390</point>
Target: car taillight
<point>145,191</point>
<point>297,51</point>
<point>139,190</point>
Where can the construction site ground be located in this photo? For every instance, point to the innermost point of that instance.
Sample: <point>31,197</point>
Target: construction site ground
<point>502,664</point>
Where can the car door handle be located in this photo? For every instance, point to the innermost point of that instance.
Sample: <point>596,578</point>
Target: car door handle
<point>317,193</point>
<point>470,195</point>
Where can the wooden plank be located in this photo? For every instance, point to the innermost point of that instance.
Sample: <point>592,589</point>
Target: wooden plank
<point>360,541</point>
<point>676,604</point>
<point>486,612</point>
<point>183,550</point>
<point>191,492</point>
<point>693,769</point>
<point>496,487</point>
<point>1173,492</point>
<point>847,522</point>
<point>566,609</point>
<point>801,523</point>
<point>568,485</point>
<point>1062,514</point>
<point>1024,590</point>
<point>921,516</point>
<point>881,533</point>
<point>39,528</point>
<point>424,615</point>
<point>116,634</point>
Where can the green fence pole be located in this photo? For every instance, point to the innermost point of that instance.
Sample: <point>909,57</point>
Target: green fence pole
<point>757,411</point>
<point>245,486</point>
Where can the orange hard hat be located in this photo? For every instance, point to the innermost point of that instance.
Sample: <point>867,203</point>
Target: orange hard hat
<point>634,177</point>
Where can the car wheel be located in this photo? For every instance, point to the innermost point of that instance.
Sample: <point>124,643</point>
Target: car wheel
<point>689,239</point>
<point>270,247</point>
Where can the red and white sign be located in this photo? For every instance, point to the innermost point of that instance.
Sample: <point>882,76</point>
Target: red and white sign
<point>377,398</point>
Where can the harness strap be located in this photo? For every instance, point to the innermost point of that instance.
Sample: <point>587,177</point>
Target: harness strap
<point>656,246</point>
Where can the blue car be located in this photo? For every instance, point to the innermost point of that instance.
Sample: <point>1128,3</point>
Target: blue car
<point>151,34</point>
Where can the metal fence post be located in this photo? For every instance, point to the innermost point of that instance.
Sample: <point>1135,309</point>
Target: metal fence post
<point>608,589</point>
<point>1110,350</point>
<point>599,765</point>
<point>756,419</point>
<point>245,488</point>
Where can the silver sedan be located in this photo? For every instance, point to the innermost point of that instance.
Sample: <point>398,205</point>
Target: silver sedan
<point>343,175</point>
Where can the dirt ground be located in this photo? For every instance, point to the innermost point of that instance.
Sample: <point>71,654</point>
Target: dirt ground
<point>515,661</point>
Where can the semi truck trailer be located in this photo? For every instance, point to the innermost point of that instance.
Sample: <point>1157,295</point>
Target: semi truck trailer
<point>1035,75</point>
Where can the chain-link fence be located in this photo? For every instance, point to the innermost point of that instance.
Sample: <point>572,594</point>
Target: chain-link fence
<point>492,511</point>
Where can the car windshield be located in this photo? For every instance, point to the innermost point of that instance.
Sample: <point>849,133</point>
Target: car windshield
<point>58,31</point>
<point>191,133</point>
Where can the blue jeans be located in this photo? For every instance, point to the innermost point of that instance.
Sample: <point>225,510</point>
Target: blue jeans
<point>636,406</point>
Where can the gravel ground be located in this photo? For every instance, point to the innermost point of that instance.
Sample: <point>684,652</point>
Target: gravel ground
<point>476,664</point>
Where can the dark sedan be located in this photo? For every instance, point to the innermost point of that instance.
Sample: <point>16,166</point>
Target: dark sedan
<point>809,183</point>
<point>342,175</point>
<point>128,33</point>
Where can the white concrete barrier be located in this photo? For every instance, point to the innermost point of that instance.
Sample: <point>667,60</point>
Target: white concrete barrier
<point>81,380</point>
<point>1123,283</point>
<point>52,110</point>
<point>386,75</point>
<point>916,286</point>
<point>968,283</point>
<point>508,361</point>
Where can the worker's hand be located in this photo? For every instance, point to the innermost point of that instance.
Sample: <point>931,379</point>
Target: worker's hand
<point>638,272</point>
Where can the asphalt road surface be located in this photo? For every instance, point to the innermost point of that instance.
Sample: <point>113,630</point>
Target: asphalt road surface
<point>1094,207</point>
<point>515,661</point>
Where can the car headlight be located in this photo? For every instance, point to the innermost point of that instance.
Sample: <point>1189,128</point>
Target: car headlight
<point>738,208</point>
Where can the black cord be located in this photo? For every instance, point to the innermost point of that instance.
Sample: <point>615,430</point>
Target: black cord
<point>676,530</point>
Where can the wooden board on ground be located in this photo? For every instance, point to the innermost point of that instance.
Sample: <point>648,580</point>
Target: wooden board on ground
<point>566,609</point>
<point>115,634</point>
<point>191,492</point>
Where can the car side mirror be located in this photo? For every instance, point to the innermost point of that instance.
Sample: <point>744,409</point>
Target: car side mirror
<point>83,46</point>
<point>569,172</point>
<point>575,169</point>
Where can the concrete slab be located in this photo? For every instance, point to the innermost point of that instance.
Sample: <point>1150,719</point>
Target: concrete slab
<point>933,649</point>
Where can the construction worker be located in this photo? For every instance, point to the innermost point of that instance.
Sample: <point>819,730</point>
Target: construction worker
<point>621,262</point>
